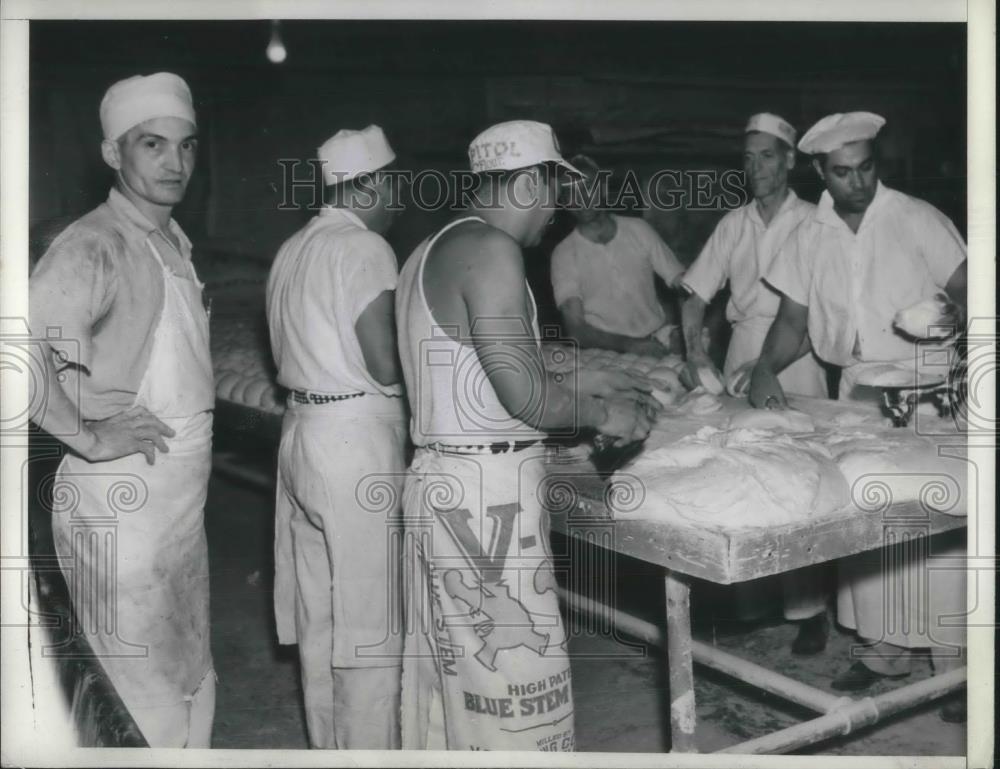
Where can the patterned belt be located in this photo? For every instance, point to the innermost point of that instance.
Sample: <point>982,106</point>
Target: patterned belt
<point>499,447</point>
<point>317,399</point>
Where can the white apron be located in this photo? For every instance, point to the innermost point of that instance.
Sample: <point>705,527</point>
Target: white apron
<point>804,377</point>
<point>131,536</point>
<point>896,594</point>
<point>485,663</point>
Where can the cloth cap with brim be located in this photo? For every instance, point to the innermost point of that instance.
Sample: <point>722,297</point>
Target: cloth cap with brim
<point>144,97</point>
<point>348,154</point>
<point>516,144</point>
<point>768,123</point>
<point>834,131</point>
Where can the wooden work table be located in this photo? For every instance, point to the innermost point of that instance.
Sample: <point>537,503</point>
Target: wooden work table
<point>584,504</point>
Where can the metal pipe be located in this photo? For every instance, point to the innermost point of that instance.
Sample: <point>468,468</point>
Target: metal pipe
<point>858,714</point>
<point>768,680</point>
<point>704,654</point>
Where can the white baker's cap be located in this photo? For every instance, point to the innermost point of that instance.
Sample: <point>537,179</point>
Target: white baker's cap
<point>834,131</point>
<point>348,154</point>
<point>516,144</point>
<point>136,99</point>
<point>768,123</point>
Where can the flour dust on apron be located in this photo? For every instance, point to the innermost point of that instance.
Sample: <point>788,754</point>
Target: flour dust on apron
<point>131,538</point>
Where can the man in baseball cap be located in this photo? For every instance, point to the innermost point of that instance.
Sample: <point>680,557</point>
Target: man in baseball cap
<point>133,399</point>
<point>481,402</point>
<point>739,252</point>
<point>866,253</point>
<point>330,298</point>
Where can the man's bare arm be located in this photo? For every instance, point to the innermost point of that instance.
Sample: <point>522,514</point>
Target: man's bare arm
<point>496,301</point>
<point>785,343</point>
<point>376,330</point>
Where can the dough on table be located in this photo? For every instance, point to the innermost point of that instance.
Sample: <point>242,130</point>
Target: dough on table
<point>735,479</point>
<point>782,421</point>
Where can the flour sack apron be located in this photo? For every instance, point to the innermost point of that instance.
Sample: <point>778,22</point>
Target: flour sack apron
<point>131,537</point>
<point>485,664</point>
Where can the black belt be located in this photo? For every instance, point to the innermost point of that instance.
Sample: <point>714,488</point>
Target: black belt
<point>317,399</point>
<point>499,447</point>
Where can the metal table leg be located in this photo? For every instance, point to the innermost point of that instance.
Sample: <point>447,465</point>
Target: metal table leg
<point>679,664</point>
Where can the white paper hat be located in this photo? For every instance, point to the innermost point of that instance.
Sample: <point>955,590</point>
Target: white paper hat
<point>515,144</point>
<point>834,131</point>
<point>775,125</point>
<point>144,97</point>
<point>348,154</point>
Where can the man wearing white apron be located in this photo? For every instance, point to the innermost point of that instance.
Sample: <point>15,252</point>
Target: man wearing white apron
<point>131,394</point>
<point>740,252</point>
<point>866,253</point>
<point>330,298</point>
<point>485,664</point>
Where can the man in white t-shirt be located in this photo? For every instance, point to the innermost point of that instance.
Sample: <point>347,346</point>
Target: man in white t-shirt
<point>604,275</point>
<point>866,253</point>
<point>740,252</point>
<point>330,309</point>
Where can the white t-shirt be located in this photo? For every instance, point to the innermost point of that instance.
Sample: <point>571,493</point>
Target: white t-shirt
<point>741,250</point>
<point>615,280</point>
<point>853,284</point>
<point>322,279</point>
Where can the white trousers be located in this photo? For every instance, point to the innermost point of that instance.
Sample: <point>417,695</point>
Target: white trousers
<point>337,592</point>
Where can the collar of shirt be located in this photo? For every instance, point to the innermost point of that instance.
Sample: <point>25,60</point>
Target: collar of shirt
<point>346,213</point>
<point>753,210</point>
<point>826,213</point>
<point>127,211</point>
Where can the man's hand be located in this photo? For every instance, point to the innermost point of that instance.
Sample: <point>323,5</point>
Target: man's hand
<point>627,421</point>
<point>765,390</point>
<point>649,347</point>
<point>689,374</point>
<point>126,433</point>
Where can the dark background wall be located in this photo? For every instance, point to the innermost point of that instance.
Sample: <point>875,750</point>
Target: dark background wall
<point>635,95</point>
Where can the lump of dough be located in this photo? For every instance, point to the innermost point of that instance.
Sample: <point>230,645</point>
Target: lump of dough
<point>754,484</point>
<point>710,380</point>
<point>783,421</point>
<point>698,402</point>
<point>879,476</point>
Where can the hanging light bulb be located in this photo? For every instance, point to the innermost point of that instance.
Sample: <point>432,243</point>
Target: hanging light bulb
<point>276,52</point>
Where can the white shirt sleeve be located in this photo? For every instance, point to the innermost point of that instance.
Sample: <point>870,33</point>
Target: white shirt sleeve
<point>942,246</point>
<point>710,270</point>
<point>565,281</point>
<point>370,268</point>
<point>665,263</point>
<point>791,272</point>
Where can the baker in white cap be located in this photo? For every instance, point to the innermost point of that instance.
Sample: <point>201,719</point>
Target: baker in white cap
<point>864,254</point>
<point>486,665</point>
<point>740,252</point>
<point>604,275</point>
<point>330,300</point>
<point>130,392</point>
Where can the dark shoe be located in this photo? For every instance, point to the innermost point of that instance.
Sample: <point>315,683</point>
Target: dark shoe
<point>954,712</point>
<point>812,636</point>
<point>859,676</point>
